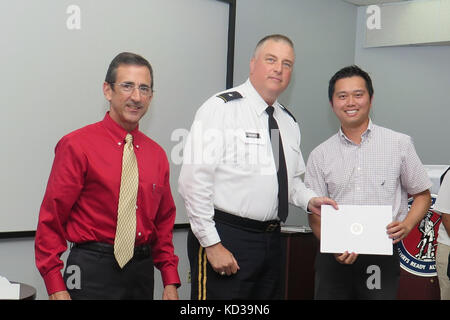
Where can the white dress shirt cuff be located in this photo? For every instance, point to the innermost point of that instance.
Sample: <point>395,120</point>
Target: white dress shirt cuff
<point>208,238</point>
<point>310,194</point>
<point>301,197</point>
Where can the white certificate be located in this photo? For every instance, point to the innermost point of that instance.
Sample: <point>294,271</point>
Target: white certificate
<point>359,229</point>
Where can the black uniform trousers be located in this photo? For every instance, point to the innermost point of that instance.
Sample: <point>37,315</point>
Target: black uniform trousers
<point>92,273</point>
<point>258,255</point>
<point>371,277</point>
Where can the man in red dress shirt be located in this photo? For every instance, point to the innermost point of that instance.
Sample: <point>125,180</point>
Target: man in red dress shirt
<point>81,200</point>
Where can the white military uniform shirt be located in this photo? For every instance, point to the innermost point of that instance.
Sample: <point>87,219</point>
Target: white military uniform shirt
<point>228,162</point>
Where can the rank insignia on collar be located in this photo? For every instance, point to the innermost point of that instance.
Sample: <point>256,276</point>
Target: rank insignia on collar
<point>229,96</point>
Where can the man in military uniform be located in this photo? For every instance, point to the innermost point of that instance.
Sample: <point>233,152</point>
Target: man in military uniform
<point>242,166</point>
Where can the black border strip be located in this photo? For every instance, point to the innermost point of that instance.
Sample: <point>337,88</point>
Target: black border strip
<point>17,234</point>
<point>231,41</point>
<point>229,84</point>
<point>179,226</point>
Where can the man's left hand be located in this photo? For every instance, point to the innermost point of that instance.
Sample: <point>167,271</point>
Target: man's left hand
<point>398,231</point>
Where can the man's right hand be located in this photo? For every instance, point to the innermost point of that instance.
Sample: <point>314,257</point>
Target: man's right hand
<point>60,295</point>
<point>315,204</point>
<point>221,260</point>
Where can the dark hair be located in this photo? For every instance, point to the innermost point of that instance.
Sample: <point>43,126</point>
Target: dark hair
<point>348,72</point>
<point>274,37</point>
<point>127,58</point>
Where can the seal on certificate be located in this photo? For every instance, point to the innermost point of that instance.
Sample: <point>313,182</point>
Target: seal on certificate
<point>356,228</point>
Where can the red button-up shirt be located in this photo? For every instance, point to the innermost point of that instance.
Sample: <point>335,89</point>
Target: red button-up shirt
<point>81,200</point>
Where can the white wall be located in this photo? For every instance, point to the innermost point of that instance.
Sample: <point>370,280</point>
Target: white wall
<point>52,79</point>
<point>411,86</point>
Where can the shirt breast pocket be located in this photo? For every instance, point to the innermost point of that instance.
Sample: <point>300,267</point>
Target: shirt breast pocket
<point>385,188</point>
<point>250,149</point>
<point>252,137</point>
<point>157,190</point>
<point>156,193</point>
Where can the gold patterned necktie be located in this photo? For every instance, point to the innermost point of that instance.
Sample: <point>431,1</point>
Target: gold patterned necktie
<point>126,216</point>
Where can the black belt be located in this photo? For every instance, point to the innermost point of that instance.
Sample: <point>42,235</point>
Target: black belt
<point>140,251</point>
<point>245,223</point>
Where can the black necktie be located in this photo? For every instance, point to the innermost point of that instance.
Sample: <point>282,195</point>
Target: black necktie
<point>282,171</point>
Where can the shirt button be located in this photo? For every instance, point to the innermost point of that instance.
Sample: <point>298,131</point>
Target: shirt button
<point>137,146</point>
<point>119,143</point>
<point>139,234</point>
<point>136,207</point>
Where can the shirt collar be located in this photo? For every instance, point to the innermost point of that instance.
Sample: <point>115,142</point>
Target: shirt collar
<point>366,134</point>
<point>258,102</point>
<point>117,132</point>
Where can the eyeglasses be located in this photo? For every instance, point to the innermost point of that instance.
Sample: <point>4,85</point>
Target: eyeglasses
<point>126,87</point>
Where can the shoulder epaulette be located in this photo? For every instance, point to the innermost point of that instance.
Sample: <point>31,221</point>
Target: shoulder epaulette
<point>229,96</point>
<point>288,112</point>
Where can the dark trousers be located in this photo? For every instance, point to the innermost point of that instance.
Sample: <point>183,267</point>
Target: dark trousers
<point>371,277</point>
<point>258,255</point>
<point>93,274</point>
